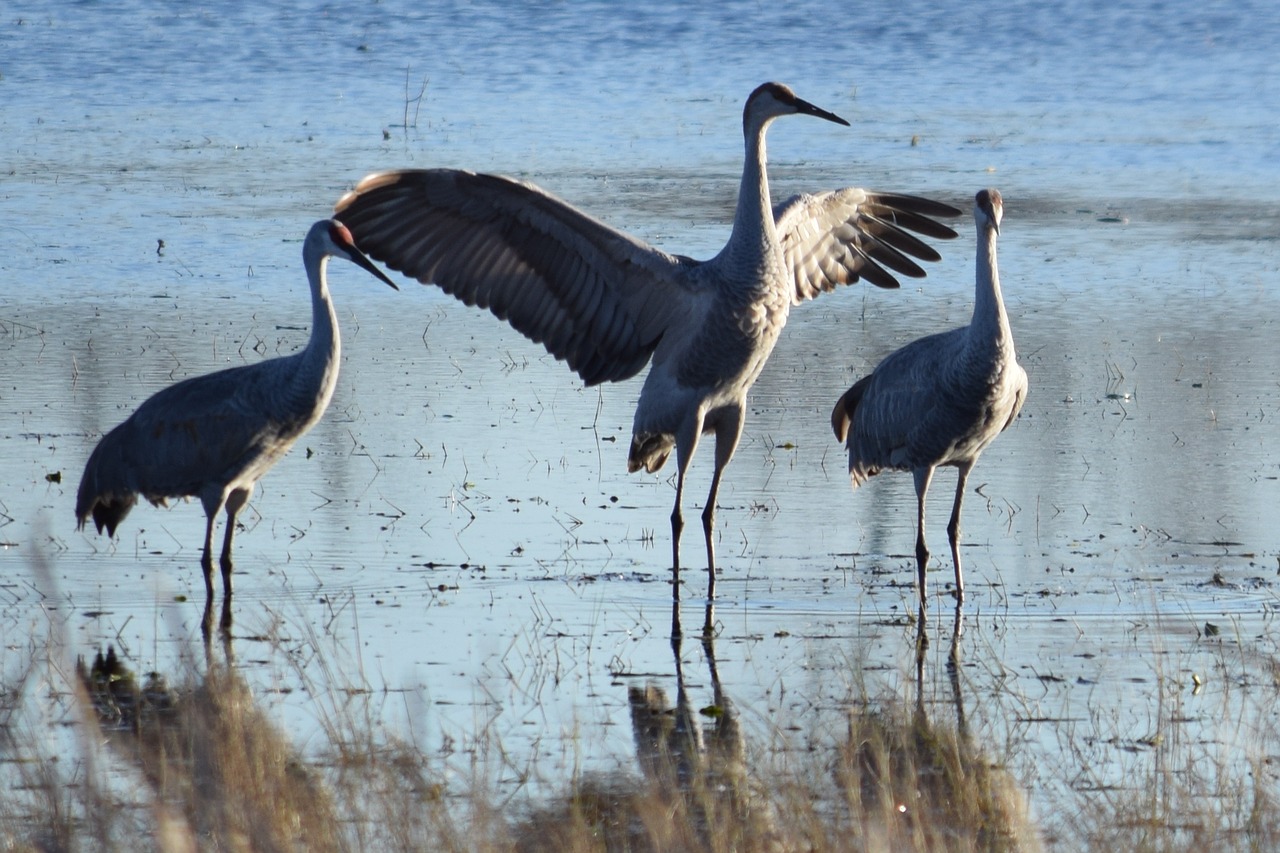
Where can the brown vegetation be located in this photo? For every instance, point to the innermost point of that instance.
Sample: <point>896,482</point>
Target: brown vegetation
<point>194,762</point>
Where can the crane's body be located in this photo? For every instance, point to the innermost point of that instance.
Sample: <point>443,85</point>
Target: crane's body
<point>941,399</point>
<point>608,304</point>
<point>213,437</point>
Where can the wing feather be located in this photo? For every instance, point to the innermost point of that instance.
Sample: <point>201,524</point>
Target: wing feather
<point>841,236</point>
<point>593,296</point>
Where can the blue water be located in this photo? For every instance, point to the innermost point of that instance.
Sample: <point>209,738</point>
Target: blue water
<point>465,516</point>
<point>1098,100</point>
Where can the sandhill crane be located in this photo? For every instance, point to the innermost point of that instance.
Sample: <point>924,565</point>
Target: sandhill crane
<point>607,303</point>
<point>214,436</point>
<point>939,400</point>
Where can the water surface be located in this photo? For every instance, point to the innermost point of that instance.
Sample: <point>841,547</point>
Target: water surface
<point>460,528</point>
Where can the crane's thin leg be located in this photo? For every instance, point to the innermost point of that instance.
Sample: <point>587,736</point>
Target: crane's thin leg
<point>212,499</point>
<point>686,445</point>
<point>677,525</point>
<point>709,524</point>
<point>922,477</point>
<point>206,559</point>
<point>235,502</point>
<point>953,528</point>
<point>728,428</point>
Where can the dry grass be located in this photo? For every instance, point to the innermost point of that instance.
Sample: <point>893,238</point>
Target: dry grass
<point>200,765</point>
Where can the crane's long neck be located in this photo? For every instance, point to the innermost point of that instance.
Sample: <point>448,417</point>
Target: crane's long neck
<point>317,374</point>
<point>754,238</point>
<point>990,324</point>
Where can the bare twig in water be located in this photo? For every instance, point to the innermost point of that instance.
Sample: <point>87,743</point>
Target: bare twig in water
<point>416,101</point>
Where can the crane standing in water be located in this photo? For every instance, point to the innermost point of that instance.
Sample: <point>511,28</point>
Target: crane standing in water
<point>214,436</point>
<point>940,400</point>
<point>607,303</point>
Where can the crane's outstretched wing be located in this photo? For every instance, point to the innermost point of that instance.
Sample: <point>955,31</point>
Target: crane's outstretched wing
<point>840,236</point>
<point>593,296</point>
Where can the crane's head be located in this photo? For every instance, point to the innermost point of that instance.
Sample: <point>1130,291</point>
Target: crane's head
<point>332,238</point>
<point>771,100</point>
<point>988,208</point>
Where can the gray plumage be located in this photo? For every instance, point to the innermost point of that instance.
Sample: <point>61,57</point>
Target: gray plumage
<point>939,400</point>
<point>608,304</point>
<point>213,437</point>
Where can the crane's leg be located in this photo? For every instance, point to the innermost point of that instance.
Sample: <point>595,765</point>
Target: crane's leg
<point>922,477</point>
<point>212,506</point>
<point>686,446</point>
<point>953,528</point>
<point>235,502</point>
<point>728,429</point>
<point>677,525</point>
<point>206,558</point>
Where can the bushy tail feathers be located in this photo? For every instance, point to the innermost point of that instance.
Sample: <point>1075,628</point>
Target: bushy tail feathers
<point>841,421</point>
<point>649,451</point>
<point>99,496</point>
<point>842,414</point>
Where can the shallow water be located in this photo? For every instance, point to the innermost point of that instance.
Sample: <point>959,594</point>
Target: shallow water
<point>460,526</point>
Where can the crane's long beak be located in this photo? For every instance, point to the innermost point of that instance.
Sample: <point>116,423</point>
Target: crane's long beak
<point>340,235</point>
<point>803,106</point>
<point>359,258</point>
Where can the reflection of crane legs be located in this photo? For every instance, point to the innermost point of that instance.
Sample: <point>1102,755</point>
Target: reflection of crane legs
<point>708,619</point>
<point>696,760</point>
<point>224,627</point>
<point>953,673</point>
